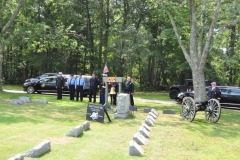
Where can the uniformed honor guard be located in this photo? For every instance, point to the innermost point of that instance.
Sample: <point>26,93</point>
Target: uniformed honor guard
<point>214,92</point>
<point>102,90</point>
<point>113,92</point>
<point>71,86</point>
<point>129,89</point>
<point>59,85</point>
<point>79,86</point>
<point>94,82</point>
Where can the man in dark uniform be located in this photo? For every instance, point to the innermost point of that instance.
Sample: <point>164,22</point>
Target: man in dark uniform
<point>59,85</point>
<point>93,88</point>
<point>214,92</point>
<point>79,86</point>
<point>113,92</point>
<point>102,88</point>
<point>71,86</point>
<point>129,89</point>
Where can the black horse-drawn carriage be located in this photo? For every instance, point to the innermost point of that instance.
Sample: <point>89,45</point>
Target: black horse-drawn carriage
<point>212,109</point>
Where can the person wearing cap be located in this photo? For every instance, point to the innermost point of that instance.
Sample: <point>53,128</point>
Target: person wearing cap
<point>214,92</point>
<point>93,88</point>
<point>129,89</point>
<point>79,86</point>
<point>71,86</point>
<point>59,85</point>
<point>102,90</point>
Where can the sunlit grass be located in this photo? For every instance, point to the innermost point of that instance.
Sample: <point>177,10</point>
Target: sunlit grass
<point>25,126</point>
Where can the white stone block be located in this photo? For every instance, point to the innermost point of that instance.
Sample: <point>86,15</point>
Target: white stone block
<point>135,149</point>
<point>39,150</point>
<point>144,132</point>
<point>139,139</point>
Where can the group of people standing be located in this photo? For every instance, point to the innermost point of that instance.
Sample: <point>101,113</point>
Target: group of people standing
<point>75,85</point>
<point>78,85</point>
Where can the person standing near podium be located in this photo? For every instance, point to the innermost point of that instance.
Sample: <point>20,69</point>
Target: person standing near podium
<point>94,82</point>
<point>129,89</point>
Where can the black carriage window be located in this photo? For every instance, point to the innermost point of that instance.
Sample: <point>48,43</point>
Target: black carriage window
<point>224,90</point>
<point>235,91</point>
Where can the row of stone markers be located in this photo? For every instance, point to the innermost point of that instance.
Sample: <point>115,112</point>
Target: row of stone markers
<point>140,138</point>
<point>23,99</point>
<point>45,146</point>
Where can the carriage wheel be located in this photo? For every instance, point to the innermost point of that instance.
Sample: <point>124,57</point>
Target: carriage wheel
<point>213,111</point>
<point>188,110</point>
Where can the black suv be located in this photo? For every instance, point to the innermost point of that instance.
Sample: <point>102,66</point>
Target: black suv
<point>186,87</point>
<point>40,77</point>
<point>48,84</point>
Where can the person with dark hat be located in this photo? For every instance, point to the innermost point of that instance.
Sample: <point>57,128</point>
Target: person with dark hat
<point>129,89</point>
<point>79,86</point>
<point>59,85</point>
<point>94,82</point>
<point>71,86</point>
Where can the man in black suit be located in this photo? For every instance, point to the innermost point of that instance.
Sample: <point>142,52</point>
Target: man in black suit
<point>94,82</point>
<point>214,92</point>
<point>59,85</point>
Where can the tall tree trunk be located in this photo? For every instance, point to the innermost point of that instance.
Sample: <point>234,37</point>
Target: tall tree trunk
<point>196,60</point>
<point>3,30</point>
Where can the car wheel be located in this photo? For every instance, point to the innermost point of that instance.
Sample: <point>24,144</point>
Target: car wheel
<point>173,94</point>
<point>30,89</point>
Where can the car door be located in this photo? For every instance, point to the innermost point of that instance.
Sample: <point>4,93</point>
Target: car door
<point>51,84</point>
<point>225,95</point>
<point>235,95</point>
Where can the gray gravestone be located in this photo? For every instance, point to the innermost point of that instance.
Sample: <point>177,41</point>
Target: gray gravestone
<point>139,139</point>
<point>86,125</point>
<point>151,118</point>
<point>16,102</point>
<point>168,112</point>
<point>144,132</point>
<point>17,157</point>
<point>147,110</point>
<point>39,150</point>
<point>146,127</point>
<point>24,99</point>
<point>75,132</point>
<point>155,112</point>
<point>123,106</point>
<point>135,149</point>
<point>149,122</point>
<point>152,115</point>
<point>41,101</point>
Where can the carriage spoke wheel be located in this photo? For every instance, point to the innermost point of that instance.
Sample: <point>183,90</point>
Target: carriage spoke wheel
<point>188,110</point>
<point>213,111</point>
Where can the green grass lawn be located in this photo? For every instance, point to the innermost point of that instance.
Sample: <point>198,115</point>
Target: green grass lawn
<point>25,126</point>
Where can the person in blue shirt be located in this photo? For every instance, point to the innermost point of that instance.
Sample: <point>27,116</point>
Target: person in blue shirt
<point>71,86</point>
<point>79,86</point>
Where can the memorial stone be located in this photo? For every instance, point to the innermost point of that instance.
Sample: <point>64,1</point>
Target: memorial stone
<point>146,127</point>
<point>17,157</point>
<point>135,149</point>
<point>39,150</point>
<point>144,132</point>
<point>41,101</point>
<point>16,102</point>
<point>75,132</point>
<point>155,112</point>
<point>139,139</point>
<point>123,106</point>
<point>149,121</point>
<point>86,125</point>
<point>24,99</point>
<point>152,115</point>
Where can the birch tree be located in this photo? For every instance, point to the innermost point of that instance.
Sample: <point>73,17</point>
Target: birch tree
<point>197,53</point>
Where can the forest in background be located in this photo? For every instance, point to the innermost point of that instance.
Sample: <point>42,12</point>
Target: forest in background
<point>133,37</point>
